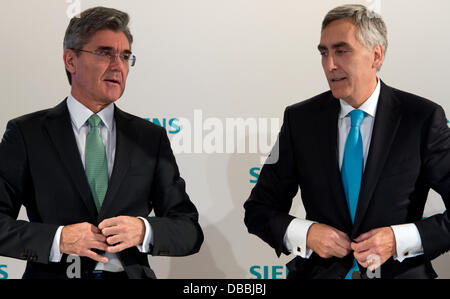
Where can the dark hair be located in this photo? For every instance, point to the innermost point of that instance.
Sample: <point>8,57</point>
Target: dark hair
<point>81,29</point>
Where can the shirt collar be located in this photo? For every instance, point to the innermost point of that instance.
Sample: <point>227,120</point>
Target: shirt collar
<point>80,113</point>
<point>369,106</point>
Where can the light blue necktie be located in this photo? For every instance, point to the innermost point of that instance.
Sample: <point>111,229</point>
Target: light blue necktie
<point>352,169</point>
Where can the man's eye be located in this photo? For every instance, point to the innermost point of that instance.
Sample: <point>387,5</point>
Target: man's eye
<point>126,56</point>
<point>105,53</point>
<point>323,53</point>
<point>340,52</point>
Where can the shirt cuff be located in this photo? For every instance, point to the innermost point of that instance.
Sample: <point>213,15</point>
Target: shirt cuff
<point>408,241</point>
<point>55,254</point>
<point>295,237</point>
<point>148,237</point>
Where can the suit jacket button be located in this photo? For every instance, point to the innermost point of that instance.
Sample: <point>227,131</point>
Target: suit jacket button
<point>299,249</point>
<point>406,253</point>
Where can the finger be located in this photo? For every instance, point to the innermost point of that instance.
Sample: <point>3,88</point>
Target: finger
<point>362,258</point>
<point>99,238</point>
<point>339,247</point>
<point>341,251</point>
<point>114,239</point>
<point>362,262</point>
<point>362,246</point>
<point>95,229</point>
<point>96,257</point>
<point>344,243</point>
<point>109,222</point>
<point>112,230</point>
<point>116,248</point>
<point>343,235</point>
<point>365,236</point>
<point>98,245</point>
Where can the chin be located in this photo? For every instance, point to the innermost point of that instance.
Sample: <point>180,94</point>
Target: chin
<point>338,95</point>
<point>111,98</point>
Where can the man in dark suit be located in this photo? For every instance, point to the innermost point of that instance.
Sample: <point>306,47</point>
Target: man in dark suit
<point>90,174</point>
<point>365,156</point>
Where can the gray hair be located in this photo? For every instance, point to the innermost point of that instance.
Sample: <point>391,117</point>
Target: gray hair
<point>371,29</point>
<point>82,28</point>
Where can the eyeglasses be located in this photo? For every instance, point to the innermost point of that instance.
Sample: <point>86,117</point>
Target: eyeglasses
<point>128,58</point>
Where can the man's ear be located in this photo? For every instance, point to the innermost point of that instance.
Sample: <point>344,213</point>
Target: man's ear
<point>69,60</point>
<point>378,56</point>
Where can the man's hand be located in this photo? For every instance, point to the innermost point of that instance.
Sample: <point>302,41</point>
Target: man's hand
<point>80,238</point>
<point>122,232</point>
<point>379,243</point>
<point>327,241</point>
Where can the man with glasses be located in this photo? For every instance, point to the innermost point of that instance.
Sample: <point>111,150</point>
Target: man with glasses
<point>90,174</point>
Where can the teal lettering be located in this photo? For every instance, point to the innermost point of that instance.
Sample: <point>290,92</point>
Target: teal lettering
<point>172,124</point>
<point>3,273</point>
<point>254,172</point>
<point>254,271</point>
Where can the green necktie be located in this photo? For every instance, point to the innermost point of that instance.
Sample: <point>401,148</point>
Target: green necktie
<point>96,165</point>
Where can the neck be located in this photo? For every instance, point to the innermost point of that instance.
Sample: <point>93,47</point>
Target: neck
<point>359,100</point>
<point>94,105</point>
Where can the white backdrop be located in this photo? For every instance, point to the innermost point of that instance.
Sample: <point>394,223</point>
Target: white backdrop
<point>234,59</point>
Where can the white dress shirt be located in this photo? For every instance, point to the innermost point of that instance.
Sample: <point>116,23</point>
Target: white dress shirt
<point>79,114</point>
<point>408,241</point>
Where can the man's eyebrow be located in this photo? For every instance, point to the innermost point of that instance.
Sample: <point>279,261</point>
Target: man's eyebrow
<point>322,48</point>
<point>341,45</point>
<point>106,48</point>
<point>334,46</point>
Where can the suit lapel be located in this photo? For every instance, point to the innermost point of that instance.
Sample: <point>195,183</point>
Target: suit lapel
<point>125,140</point>
<point>59,128</point>
<point>387,120</point>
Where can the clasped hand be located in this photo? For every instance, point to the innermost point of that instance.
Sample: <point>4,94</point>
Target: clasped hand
<point>112,235</point>
<point>329,242</point>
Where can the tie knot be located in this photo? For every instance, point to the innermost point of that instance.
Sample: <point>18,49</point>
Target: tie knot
<point>94,121</point>
<point>357,116</point>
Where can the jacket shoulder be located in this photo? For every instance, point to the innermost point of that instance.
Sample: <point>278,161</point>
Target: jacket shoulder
<point>416,107</point>
<point>413,101</point>
<point>312,105</point>
<point>142,124</point>
<point>30,117</point>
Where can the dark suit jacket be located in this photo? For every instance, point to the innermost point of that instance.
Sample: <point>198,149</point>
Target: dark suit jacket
<point>408,155</point>
<point>41,168</point>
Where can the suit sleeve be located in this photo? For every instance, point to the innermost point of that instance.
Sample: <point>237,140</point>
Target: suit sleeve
<point>435,231</point>
<point>18,238</point>
<point>267,208</point>
<point>176,231</point>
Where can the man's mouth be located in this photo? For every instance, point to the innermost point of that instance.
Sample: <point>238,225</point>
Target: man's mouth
<point>338,79</point>
<point>112,81</point>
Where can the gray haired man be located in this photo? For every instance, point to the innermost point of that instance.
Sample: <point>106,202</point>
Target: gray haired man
<point>89,174</point>
<point>365,156</point>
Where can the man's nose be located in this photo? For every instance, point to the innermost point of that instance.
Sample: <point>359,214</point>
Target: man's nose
<point>116,63</point>
<point>330,64</point>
